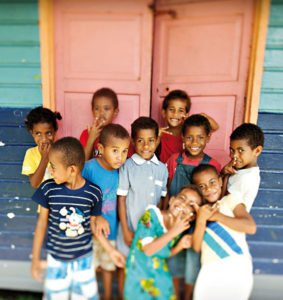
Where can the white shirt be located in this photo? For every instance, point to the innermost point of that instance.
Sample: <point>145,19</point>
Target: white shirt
<point>244,185</point>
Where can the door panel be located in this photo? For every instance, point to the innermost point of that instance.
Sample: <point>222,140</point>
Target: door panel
<point>102,44</point>
<point>204,49</point>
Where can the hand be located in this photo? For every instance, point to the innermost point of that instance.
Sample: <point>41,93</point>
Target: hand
<point>101,227</point>
<point>206,211</point>
<point>118,258</point>
<point>186,241</point>
<point>95,129</point>
<point>44,149</point>
<point>181,224</point>
<point>128,237</point>
<point>35,270</point>
<point>229,169</point>
<point>164,130</point>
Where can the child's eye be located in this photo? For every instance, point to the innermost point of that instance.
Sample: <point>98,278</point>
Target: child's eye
<point>115,150</point>
<point>125,151</point>
<point>189,138</point>
<point>201,186</point>
<point>151,140</point>
<point>212,182</point>
<point>171,109</point>
<point>49,133</point>
<point>38,133</point>
<point>231,150</point>
<point>241,150</point>
<point>139,140</point>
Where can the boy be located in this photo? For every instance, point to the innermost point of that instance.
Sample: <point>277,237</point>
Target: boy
<point>69,206</point>
<point>113,147</point>
<point>196,134</point>
<point>175,109</point>
<point>220,235</point>
<point>104,106</point>
<point>142,181</point>
<point>246,143</point>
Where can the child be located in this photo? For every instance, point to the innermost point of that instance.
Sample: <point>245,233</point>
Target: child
<point>246,143</point>
<point>196,134</point>
<point>142,181</point>
<point>147,274</point>
<point>104,106</point>
<point>113,147</point>
<point>175,109</point>
<point>226,264</point>
<point>69,204</point>
<point>42,124</point>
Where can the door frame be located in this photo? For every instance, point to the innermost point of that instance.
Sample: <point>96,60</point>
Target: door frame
<point>261,18</point>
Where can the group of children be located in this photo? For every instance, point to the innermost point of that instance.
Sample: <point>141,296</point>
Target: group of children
<point>146,205</point>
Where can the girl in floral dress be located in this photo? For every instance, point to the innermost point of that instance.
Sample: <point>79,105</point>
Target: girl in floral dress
<point>158,237</point>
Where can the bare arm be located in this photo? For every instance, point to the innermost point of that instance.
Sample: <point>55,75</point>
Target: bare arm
<point>122,213</point>
<point>213,124</point>
<point>37,177</point>
<point>179,226</point>
<point>167,197</point>
<point>93,134</point>
<point>39,235</point>
<point>242,221</point>
<point>184,243</point>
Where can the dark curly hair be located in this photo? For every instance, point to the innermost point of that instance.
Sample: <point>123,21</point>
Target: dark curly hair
<point>144,123</point>
<point>250,132</point>
<point>112,130</point>
<point>107,93</point>
<point>42,115</point>
<point>196,120</point>
<point>177,94</point>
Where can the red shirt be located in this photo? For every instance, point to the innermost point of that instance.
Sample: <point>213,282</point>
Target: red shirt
<point>83,140</point>
<point>169,144</point>
<point>172,164</point>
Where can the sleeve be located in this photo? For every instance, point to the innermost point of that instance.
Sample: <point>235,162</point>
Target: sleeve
<point>86,171</point>
<point>29,164</point>
<point>147,233</point>
<point>216,164</point>
<point>41,195</point>
<point>84,137</point>
<point>171,166</point>
<point>232,201</point>
<point>97,200</point>
<point>124,183</point>
<point>164,182</point>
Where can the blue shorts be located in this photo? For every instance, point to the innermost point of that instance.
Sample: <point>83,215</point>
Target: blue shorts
<point>176,265</point>
<point>75,278</point>
<point>192,266</point>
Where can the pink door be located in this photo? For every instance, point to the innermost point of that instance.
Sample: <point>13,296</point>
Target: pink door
<point>102,44</point>
<point>204,49</point>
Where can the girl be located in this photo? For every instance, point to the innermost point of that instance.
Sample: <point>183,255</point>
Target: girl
<point>42,124</point>
<point>147,274</point>
<point>220,235</point>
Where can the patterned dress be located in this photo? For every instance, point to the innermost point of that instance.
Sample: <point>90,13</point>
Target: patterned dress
<point>148,277</point>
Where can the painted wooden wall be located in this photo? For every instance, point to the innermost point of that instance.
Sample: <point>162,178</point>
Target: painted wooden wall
<point>20,90</point>
<point>267,245</point>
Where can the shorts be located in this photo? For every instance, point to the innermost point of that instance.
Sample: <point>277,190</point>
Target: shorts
<point>192,266</point>
<point>101,258</point>
<point>75,278</point>
<point>176,264</point>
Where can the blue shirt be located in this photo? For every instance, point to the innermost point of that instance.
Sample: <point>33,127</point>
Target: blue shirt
<point>108,182</point>
<point>69,236</point>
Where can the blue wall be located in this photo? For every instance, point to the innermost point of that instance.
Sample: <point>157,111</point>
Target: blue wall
<point>267,245</point>
<point>20,90</point>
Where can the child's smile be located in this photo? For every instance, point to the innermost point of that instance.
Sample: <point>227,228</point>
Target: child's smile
<point>145,143</point>
<point>43,133</point>
<point>175,112</point>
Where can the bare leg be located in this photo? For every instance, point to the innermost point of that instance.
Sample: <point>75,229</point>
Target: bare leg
<point>121,282</point>
<point>107,284</point>
<point>176,283</point>
<point>189,288</point>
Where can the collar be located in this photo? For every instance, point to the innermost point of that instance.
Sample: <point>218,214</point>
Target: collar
<point>140,161</point>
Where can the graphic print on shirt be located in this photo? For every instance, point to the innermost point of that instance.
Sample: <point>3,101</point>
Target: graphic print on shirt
<point>109,203</point>
<point>71,221</point>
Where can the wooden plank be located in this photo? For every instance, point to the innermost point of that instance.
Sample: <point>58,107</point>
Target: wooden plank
<point>13,115</point>
<point>23,75</point>
<point>15,134</point>
<point>13,152</point>
<point>266,250</point>
<point>271,120</point>
<point>269,160</point>
<point>18,11</point>
<point>269,199</point>
<point>16,189</point>
<point>11,171</point>
<point>267,216</point>
<point>267,234</point>
<point>18,206</point>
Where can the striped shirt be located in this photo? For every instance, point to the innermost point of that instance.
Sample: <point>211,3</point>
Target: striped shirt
<point>220,241</point>
<point>69,234</point>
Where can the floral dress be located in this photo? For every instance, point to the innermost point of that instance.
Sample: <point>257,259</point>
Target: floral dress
<point>148,277</point>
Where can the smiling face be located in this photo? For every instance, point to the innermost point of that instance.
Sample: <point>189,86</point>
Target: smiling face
<point>104,110</point>
<point>57,169</point>
<point>175,112</point>
<point>243,155</point>
<point>195,140</point>
<point>145,143</point>
<point>182,203</point>
<point>210,185</point>
<point>114,154</point>
<point>43,133</point>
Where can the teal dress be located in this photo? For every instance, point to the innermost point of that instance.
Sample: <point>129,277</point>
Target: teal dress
<point>148,277</point>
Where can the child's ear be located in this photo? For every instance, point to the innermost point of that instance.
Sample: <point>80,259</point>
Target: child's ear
<point>100,148</point>
<point>116,111</point>
<point>258,150</point>
<point>163,113</point>
<point>220,181</point>
<point>171,199</point>
<point>208,137</point>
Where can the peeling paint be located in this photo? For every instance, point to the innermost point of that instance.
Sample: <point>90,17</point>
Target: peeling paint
<point>13,246</point>
<point>257,271</point>
<point>10,215</point>
<point>17,198</point>
<point>27,209</point>
<point>275,260</point>
<point>2,144</point>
